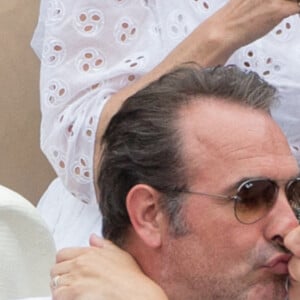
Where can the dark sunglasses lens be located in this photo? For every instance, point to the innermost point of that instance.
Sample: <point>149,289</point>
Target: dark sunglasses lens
<point>293,195</point>
<point>256,198</point>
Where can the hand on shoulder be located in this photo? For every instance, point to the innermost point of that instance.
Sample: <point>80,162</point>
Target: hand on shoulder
<point>102,271</point>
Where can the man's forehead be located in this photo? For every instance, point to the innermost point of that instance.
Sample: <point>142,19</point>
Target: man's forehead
<point>216,133</point>
<point>210,116</point>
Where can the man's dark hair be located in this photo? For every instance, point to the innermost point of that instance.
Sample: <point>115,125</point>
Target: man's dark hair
<point>142,145</point>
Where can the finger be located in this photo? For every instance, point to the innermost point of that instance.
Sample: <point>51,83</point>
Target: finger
<point>100,242</point>
<point>80,261</point>
<point>71,293</point>
<point>62,294</point>
<point>76,260</point>
<point>61,268</point>
<point>54,282</point>
<point>70,253</point>
<point>294,269</point>
<point>292,241</point>
<point>96,241</point>
<point>60,281</point>
<point>63,291</point>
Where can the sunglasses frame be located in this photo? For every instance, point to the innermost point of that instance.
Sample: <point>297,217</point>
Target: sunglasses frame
<point>236,198</point>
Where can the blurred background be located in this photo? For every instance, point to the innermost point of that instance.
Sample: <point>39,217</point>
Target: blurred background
<point>23,167</point>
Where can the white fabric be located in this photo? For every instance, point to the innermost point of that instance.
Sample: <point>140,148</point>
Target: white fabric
<point>90,49</point>
<point>70,221</point>
<point>27,248</point>
<point>36,298</point>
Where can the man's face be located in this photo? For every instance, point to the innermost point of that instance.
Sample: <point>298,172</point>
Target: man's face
<point>221,258</point>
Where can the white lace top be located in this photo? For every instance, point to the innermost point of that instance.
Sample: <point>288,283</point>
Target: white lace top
<point>90,49</point>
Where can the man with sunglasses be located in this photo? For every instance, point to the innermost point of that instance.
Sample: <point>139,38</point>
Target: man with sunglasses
<point>198,183</point>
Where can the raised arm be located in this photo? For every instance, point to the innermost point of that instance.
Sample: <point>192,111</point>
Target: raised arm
<point>95,51</point>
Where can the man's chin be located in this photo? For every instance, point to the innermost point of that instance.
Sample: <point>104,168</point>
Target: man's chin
<point>271,290</point>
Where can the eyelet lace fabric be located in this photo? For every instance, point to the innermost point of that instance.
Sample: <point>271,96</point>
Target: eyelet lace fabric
<point>91,49</point>
<point>276,58</point>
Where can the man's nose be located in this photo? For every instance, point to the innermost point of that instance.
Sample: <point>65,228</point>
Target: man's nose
<point>281,219</point>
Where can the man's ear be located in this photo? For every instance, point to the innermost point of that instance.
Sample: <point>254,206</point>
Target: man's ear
<point>145,214</point>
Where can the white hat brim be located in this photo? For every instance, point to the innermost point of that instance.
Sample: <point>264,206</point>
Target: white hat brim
<point>27,248</point>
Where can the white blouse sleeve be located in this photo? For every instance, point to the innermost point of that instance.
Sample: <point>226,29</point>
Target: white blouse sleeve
<point>88,50</point>
<point>276,58</point>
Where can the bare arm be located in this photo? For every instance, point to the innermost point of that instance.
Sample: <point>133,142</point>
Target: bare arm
<point>236,24</point>
<point>84,53</point>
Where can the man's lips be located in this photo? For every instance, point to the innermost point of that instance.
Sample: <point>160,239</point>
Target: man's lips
<point>278,264</point>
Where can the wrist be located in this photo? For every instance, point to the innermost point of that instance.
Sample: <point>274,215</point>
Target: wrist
<point>219,42</point>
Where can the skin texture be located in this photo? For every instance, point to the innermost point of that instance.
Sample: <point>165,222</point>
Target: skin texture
<point>238,23</point>
<point>83,269</point>
<point>219,258</point>
<point>292,242</point>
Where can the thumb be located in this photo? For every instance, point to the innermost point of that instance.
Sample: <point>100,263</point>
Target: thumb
<point>96,241</point>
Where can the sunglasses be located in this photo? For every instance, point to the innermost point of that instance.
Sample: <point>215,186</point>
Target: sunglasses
<point>255,197</point>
